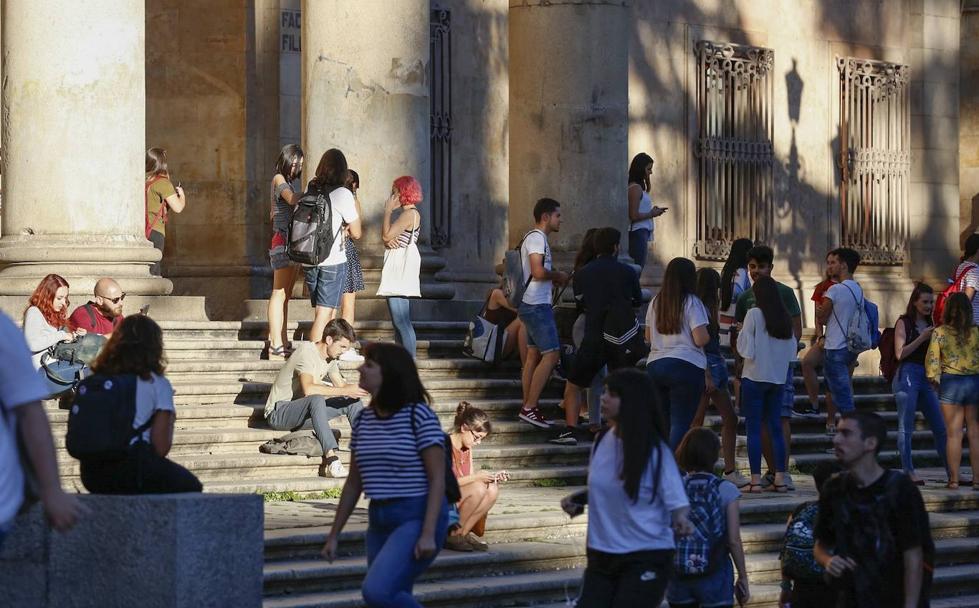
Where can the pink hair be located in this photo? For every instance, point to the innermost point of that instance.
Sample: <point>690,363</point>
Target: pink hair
<point>409,190</point>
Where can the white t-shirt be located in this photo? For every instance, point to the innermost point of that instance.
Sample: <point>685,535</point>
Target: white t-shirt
<point>615,523</point>
<point>645,206</point>
<point>19,385</point>
<point>766,359</point>
<point>151,395</point>
<point>539,290</point>
<point>971,279</point>
<point>845,302</point>
<point>679,345</point>
<point>344,212</point>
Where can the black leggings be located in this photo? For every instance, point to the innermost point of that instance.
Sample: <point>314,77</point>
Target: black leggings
<point>626,580</point>
<point>142,472</point>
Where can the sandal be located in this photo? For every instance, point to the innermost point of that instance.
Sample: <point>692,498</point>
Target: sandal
<point>751,489</point>
<point>952,485</point>
<point>278,352</point>
<point>780,488</point>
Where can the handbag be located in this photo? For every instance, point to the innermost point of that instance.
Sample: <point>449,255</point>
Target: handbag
<point>484,340</point>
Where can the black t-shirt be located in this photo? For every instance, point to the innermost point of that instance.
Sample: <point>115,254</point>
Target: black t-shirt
<point>874,526</point>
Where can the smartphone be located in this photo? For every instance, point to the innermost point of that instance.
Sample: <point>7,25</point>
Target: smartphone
<point>145,308</point>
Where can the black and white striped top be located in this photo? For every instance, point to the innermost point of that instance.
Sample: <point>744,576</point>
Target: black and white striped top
<point>388,452</point>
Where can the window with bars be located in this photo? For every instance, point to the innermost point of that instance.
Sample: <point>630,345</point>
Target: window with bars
<point>875,158</point>
<point>440,72</point>
<point>735,155</point>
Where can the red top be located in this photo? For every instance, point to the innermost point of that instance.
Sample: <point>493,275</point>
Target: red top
<point>103,325</point>
<point>462,462</point>
<point>821,289</point>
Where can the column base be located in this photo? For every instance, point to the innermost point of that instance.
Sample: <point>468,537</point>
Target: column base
<point>82,260</point>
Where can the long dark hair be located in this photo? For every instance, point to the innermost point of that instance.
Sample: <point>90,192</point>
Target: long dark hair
<point>637,170</point>
<point>971,247</point>
<point>135,347</point>
<point>331,173</point>
<point>736,259</point>
<point>920,289</point>
<point>708,284</point>
<point>156,163</point>
<point>400,384</point>
<point>778,324</point>
<point>640,426</point>
<point>958,316</point>
<point>679,283</point>
<point>586,252</point>
<point>290,154</point>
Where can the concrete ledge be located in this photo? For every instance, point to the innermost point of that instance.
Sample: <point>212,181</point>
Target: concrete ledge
<point>166,551</point>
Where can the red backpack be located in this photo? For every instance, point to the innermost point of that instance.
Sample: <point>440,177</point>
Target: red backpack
<point>953,287</point>
<point>161,214</point>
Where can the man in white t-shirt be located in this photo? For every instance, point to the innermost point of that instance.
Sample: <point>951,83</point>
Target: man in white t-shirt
<point>535,311</point>
<point>22,417</point>
<point>838,307</point>
<point>325,281</point>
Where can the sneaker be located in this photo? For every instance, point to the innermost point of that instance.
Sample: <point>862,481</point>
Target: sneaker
<point>534,417</point>
<point>558,374</point>
<point>563,438</point>
<point>454,542</point>
<point>804,411</point>
<point>768,479</point>
<point>787,480</point>
<point>476,543</point>
<point>334,469</point>
<point>737,478</point>
<point>352,356</point>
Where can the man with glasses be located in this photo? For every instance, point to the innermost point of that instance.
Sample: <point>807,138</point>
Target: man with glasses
<point>101,315</point>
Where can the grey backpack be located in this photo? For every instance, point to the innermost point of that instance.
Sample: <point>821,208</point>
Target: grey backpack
<point>514,281</point>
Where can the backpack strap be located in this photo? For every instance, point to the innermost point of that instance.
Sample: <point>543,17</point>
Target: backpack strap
<point>846,335</point>
<point>91,313</point>
<point>964,272</point>
<point>162,213</point>
<point>520,249</point>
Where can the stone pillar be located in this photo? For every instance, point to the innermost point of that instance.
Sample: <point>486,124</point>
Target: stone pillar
<point>365,91</point>
<point>569,114</point>
<point>74,107</point>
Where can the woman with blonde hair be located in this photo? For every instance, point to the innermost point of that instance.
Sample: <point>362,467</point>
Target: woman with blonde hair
<point>161,197</point>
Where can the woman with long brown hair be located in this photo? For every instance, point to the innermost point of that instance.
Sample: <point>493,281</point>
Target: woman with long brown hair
<point>676,330</point>
<point>952,365</point>
<point>134,354</point>
<point>285,195</point>
<point>161,198</point>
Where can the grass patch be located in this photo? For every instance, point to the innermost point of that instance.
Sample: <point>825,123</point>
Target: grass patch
<point>291,496</point>
<point>549,482</point>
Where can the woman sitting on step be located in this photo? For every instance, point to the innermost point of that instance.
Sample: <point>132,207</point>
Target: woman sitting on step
<point>46,325</point>
<point>479,488</point>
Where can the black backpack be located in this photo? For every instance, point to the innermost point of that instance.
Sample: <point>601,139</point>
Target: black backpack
<point>311,235</point>
<point>100,422</point>
<point>452,492</point>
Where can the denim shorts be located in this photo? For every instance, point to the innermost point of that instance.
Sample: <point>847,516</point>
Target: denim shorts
<point>718,371</point>
<point>959,390</point>
<point>714,589</point>
<point>325,284</point>
<point>541,327</point>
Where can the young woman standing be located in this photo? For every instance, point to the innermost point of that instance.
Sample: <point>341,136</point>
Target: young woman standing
<point>912,335</point>
<point>398,461</point>
<point>641,209</point>
<point>288,169</point>
<point>400,274</point>
<point>161,198</point>
<point>734,282</point>
<point>355,274</point>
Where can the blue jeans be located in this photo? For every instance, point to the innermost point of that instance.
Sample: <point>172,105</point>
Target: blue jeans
<point>912,393</point>
<point>404,331</point>
<point>392,531</point>
<point>639,246</point>
<point>325,284</point>
<point>594,396</point>
<point>836,371</point>
<point>714,589</point>
<point>680,385</point>
<point>538,319</point>
<point>762,402</point>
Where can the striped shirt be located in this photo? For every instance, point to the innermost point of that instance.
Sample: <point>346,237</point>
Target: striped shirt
<point>388,451</point>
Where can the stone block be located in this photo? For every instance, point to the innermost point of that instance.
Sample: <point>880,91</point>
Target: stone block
<point>943,8</point>
<point>934,166</point>
<point>166,551</point>
<point>940,32</point>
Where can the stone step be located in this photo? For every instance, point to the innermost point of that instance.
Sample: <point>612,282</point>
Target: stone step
<point>219,348</point>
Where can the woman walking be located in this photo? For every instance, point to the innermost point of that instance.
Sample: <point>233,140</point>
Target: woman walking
<point>398,461</point>
<point>355,273</point>
<point>635,497</point>
<point>768,346</point>
<point>641,209</point>
<point>676,329</point>
<point>402,262</point>
<point>912,392</point>
<point>161,198</point>
<point>135,353</point>
<point>288,169</point>
<point>952,365</point>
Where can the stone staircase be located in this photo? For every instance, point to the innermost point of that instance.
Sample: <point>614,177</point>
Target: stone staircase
<point>537,552</point>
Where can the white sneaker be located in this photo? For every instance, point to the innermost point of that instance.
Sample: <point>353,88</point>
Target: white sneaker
<point>334,469</point>
<point>352,356</point>
<point>737,478</point>
<point>787,480</point>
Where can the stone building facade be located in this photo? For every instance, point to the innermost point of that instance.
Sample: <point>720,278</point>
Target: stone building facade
<point>803,124</point>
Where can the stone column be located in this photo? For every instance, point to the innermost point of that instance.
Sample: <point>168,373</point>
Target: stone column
<point>569,114</point>
<point>74,107</point>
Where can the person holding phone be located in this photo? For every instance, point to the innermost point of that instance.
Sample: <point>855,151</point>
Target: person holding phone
<point>641,208</point>
<point>636,500</point>
<point>161,198</point>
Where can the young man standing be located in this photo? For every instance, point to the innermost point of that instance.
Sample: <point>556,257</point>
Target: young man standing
<point>543,347</point>
<point>104,313</point>
<point>761,261</point>
<point>839,305</point>
<point>872,534</point>
<point>605,288</point>
<point>299,397</point>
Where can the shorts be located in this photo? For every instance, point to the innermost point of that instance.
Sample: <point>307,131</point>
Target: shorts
<point>959,390</point>
<point>714,589</point>
<point>541,327</point>
<point>717,367</point>
<point>325,284</point>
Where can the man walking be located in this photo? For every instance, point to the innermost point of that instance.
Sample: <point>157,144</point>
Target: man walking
<point>543,347</point>
<point>840,304</point>
<point>104,313</point>
<point>872,534</point>
<point>299,397</point>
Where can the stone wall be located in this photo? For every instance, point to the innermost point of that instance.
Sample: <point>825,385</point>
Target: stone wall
<point>968,108</point>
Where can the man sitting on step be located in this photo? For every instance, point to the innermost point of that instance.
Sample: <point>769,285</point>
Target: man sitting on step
<point>300,398</point>
<point>102,314</point>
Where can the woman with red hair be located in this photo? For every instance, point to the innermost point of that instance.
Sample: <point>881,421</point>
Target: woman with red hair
<point>46,318</point>
<point>402,262</point>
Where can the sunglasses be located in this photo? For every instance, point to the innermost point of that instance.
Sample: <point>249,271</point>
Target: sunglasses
<point>115,300</point>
